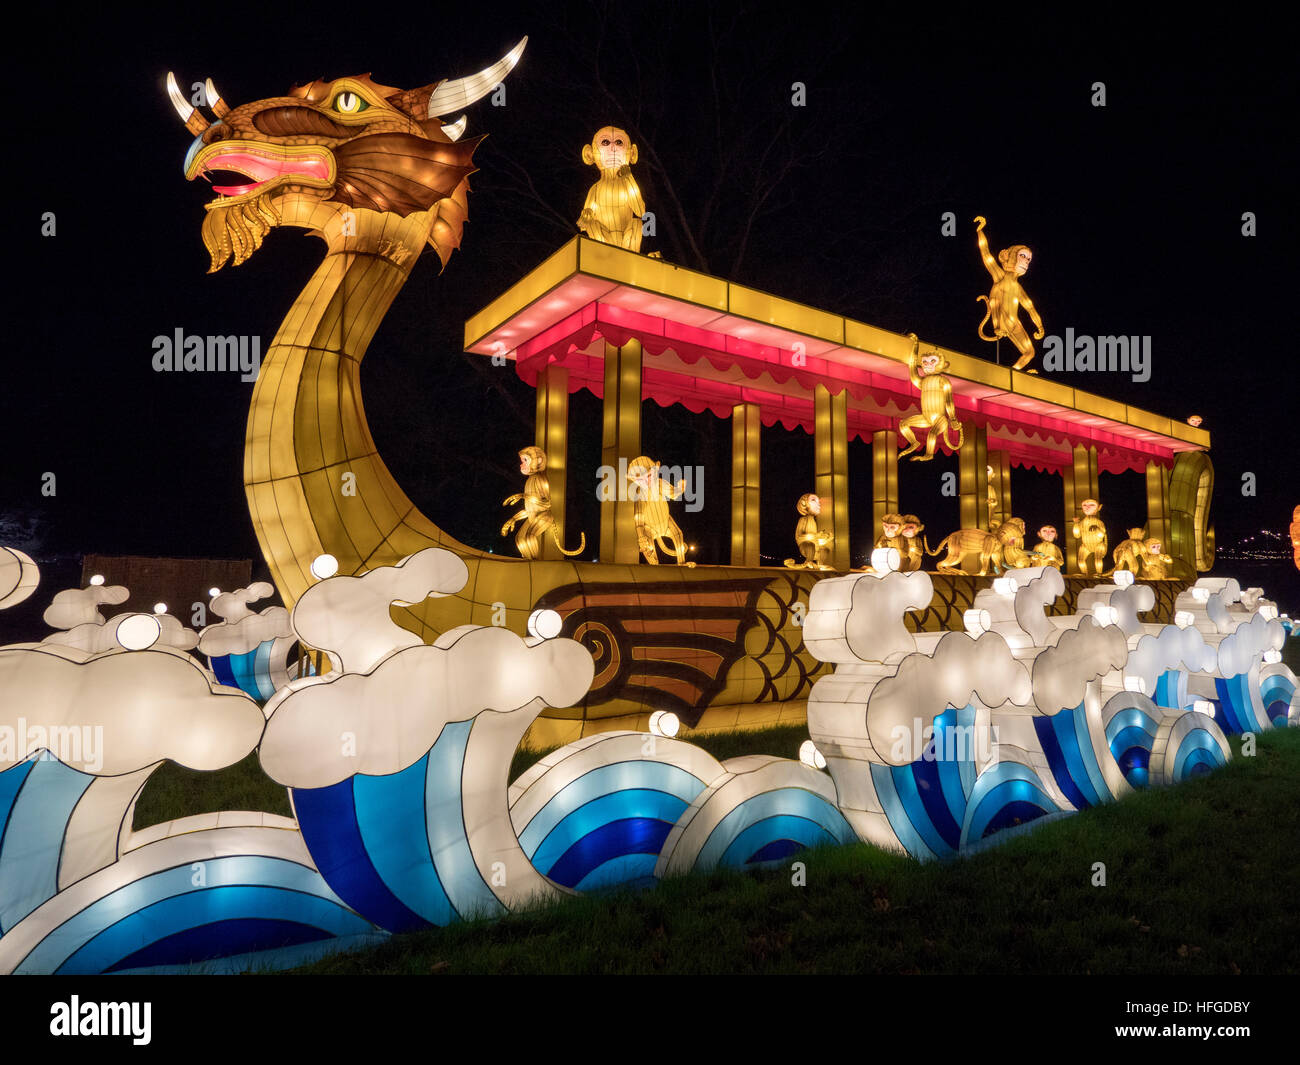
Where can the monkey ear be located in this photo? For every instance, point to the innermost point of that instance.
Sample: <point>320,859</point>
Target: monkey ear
<point>588,156</point>
<point>633,155</point>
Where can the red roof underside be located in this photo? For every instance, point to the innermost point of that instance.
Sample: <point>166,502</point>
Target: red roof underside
<point>704,369</point>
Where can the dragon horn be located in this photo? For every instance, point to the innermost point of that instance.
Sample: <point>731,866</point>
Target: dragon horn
<point>219,106</point>
<point>457,93</point>
<point>455,129</point>
<point>194,122</point>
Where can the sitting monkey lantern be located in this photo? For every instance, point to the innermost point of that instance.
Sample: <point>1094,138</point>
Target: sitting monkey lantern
<point>1045,552</point>
<point>536,515</point>
<point>614,208</point>
<point>814,544</point>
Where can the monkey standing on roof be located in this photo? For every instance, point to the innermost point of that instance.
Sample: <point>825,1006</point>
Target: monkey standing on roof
<point>614,207</point>
<point>1006,297</point>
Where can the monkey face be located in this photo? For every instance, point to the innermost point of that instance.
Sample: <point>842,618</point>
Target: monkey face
<point>1023,258</point>
<point>890,529</point>
<point>612,149</point>
<point>1195,420</point>
<point>532,460</point>
<point>910,529</point>
<point>814,505</point>
<point>930,363</point>
<point>1090,507</point>
<point>1154,547</point>
<point>1047,533</point>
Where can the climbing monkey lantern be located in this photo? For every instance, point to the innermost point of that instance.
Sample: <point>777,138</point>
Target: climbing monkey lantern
<point>538,521</point>
<point>937,411</point>
<point>614,208</point>
<point>1006,297</point>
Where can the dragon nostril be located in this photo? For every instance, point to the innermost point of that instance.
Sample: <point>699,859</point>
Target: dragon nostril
<point>218,131</point>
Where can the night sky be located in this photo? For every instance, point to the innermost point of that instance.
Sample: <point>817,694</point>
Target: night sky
<point>1133,211</point>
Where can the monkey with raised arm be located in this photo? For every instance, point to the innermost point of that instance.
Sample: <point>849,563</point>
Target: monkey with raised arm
<point>654,525</point>
<point>937,410</point>
<point>814,544</point>
<point>1006,297</point>
<point>614,209</point>
<point>1090,531</point>
<point>536,516</point>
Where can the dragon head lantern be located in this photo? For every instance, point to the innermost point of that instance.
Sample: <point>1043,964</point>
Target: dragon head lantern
<point>330,150</point>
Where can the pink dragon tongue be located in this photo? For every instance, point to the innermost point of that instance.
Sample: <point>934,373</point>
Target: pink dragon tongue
<point>234,190</point>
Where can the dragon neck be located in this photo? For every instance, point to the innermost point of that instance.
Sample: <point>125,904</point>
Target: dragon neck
<point>313,476</point>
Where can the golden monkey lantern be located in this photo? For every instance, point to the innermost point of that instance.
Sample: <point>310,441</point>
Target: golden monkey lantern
<point>1090,531</point>
<point>1006,297</point>
<point>814,544</point>
<point>614,209</point>
<point>938,414</point>
<point>654,525</point>
<point>537,520</point>
<point>1045,552</point>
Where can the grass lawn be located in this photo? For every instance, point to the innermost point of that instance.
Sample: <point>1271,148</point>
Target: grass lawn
<point>1200,879</point>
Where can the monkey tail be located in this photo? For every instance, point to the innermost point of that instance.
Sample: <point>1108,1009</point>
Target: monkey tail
<point>663,546</point>
<point>943,545</point>
<point>582,543</point>
<point>988,313</point>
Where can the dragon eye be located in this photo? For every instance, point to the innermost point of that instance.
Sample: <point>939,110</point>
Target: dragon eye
<point>349,103</point>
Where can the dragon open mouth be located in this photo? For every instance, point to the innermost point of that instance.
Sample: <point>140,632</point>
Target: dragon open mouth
<point>260,165</point>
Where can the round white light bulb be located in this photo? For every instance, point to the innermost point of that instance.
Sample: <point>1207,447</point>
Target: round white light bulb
<point>545,623</point>
<point>809,755</point>
<point>664,723</point>
<point>97,579</point>
<point>885,559</point>
<point>136,632</point>
<point>324,567</point>
<point>160,608</point>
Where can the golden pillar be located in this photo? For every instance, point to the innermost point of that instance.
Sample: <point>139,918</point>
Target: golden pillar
<point>884,477</point>
<point>746,442</point>
<point>551,434</point>
<point>973,478</point>
<point>831,457</point>
<point>1000,483</point>
<point>1080,484</point>
<point>1158,503</point>
<point>620,439</point>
